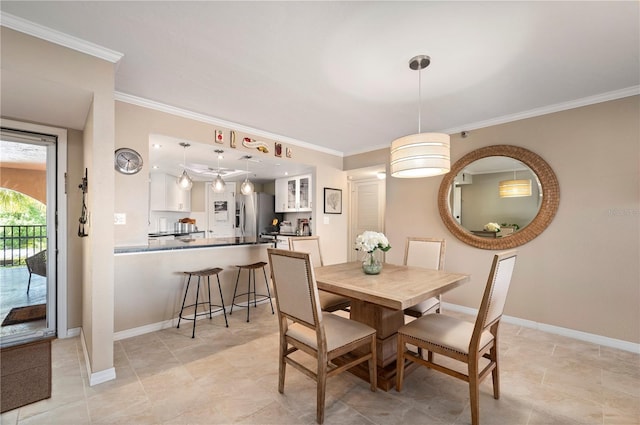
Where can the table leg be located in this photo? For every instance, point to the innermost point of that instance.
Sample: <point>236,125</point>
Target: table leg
<point>386,322</point>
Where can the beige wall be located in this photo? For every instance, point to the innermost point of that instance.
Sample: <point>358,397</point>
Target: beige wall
<point>40,60</point>
<point>583,272</point>
<point>75,172</point>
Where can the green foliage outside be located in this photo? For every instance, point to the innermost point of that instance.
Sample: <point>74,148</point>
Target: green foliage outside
<point>17,209</point>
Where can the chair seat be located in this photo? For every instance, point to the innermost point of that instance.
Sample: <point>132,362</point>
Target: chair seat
<point>445,331</point>
<point>332,302</point>
<point>423,308</point>
<point>339,332</point>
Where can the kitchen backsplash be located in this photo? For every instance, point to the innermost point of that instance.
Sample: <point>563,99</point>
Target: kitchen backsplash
<point>163,221</point>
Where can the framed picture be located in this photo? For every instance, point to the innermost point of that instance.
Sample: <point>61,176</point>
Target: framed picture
<point>332,201</point>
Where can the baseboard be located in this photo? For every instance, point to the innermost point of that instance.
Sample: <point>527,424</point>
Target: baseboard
<point>153,327</point>
<point>98,377</point>
<point>570,333</point>
<point>70,333</point>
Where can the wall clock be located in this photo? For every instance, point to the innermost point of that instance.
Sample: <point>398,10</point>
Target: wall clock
<point>127,161</point>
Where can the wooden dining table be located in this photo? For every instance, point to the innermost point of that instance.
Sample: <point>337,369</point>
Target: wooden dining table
<point>379,301</point>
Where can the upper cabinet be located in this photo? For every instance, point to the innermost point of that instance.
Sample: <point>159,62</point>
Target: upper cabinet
<point>166,195</point>
<point>293,194</point>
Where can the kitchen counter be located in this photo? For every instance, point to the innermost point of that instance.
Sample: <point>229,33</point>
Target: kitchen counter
<point>181,244</point>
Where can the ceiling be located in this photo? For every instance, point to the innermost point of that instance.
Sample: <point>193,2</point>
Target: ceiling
<point>335,74</point>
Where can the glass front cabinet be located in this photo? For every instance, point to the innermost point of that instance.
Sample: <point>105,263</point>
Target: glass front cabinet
<point>293,194</point>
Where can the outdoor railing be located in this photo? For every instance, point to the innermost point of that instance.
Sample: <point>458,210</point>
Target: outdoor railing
<point>21,241</point>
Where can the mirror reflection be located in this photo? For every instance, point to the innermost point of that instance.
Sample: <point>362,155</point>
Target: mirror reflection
<point>495,197</point>
<point>508,177</point>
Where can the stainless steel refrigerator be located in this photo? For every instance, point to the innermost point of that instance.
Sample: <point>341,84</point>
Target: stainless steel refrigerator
<point>255,214</point>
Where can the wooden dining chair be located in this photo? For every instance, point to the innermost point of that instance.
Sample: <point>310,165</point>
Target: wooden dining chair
<point>305,327</point>
<point>462,340</point>
<point>311,244</point>
<point>427,253</point>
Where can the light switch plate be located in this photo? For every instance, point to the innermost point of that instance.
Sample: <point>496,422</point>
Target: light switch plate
<point>326,219</point>
<point>120,218</point>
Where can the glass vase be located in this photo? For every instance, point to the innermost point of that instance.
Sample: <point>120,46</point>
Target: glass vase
<point>371,264</point>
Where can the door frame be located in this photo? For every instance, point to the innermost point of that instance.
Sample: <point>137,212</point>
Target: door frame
<point>59,217</point>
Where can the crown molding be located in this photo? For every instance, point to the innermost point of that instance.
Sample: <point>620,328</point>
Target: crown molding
<point>558,107</point>
<point>57,37</point>
<point>150,104</point>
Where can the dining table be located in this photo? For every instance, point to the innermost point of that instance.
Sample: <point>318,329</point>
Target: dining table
<point>380,300</point>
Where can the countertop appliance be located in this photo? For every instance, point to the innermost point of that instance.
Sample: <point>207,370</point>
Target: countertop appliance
<point>256,214</point>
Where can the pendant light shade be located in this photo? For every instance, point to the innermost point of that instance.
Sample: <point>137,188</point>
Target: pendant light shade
<point>246,188</point>
<point>514,188</point>
<point>420,154</point>
<point>218,184</point>
<point>185,181</point>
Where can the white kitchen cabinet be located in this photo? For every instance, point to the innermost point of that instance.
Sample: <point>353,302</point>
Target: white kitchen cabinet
<point>293,194</point>
<point>166,195</point>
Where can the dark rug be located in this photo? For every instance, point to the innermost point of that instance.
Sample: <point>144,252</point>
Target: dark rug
<point>29,313</point>
<point>25,374</point>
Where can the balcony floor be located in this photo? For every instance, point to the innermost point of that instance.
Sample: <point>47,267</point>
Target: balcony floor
<point>13,293</point>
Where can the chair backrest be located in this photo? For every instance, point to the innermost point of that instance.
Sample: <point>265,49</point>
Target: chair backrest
<point>295,287</point>
<point>424,252</point>
<point>495,293</point>
<point>310,244</point>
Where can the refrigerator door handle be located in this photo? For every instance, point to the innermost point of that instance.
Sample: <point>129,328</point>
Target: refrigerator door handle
<point>243,218</point>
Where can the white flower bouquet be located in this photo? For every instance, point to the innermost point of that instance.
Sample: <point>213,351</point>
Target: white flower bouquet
<point>492,227</point>
<point>370,241</point>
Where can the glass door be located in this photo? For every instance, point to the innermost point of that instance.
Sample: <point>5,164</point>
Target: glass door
<point>27,236</point>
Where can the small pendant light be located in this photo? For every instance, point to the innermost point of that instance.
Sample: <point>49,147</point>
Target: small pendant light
<point>218,184</point>
<point>185,181</point>
<point>420,154</point>
<point>246,188</point>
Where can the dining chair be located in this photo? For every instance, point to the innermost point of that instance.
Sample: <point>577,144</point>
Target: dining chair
<point>462,340</point>
<point>305,327</point>
<point>311,244</point>
<point>427,253</point>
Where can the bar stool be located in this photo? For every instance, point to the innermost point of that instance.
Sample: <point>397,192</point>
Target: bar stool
<point>200,274</point>
<point>251,268</point>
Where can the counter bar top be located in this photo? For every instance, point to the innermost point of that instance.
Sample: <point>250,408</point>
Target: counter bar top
<point>171,245</point>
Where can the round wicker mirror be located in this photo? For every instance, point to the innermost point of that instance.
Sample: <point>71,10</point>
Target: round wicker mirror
<point>548,207</point>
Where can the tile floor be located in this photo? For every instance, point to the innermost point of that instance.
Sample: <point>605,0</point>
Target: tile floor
<point>229,375</point>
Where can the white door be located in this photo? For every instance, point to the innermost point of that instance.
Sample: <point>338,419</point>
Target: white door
<point>367,207</point>
<point>221,211</point>
<point>29,232</point>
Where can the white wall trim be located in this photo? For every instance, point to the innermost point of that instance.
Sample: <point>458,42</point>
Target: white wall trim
<point>570,333</point>
<point>172,323</point>
<point>57,37</point>
<point>150,104</point>
<point>98,377</point>
<point>549,109</point>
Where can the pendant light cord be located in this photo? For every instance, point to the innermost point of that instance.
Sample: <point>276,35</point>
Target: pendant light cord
<point>419,100</point>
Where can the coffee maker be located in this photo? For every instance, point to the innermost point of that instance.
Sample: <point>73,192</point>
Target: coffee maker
<point>303,228</point>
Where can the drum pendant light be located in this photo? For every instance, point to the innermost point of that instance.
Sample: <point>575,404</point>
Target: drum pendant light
<point>246,188</point>
<point>514,188</point>
<point>218,184</point>
<point>185,181</point>
<point>420,154</point>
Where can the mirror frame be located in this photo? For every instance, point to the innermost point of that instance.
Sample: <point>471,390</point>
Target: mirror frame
<point>548,207</point>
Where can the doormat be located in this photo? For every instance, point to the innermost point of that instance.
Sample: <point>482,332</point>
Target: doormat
<point>26,374</point>
<point>29,313</point>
